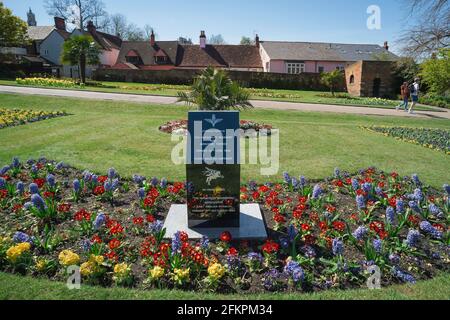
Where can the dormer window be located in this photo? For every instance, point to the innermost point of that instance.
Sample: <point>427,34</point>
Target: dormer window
<point>133,57</point>
<point>161,57</point>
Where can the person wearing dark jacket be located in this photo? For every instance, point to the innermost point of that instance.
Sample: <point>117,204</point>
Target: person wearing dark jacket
<point>404,91</point>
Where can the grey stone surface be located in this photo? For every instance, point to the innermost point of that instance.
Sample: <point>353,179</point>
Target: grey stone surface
<point>252,224</point>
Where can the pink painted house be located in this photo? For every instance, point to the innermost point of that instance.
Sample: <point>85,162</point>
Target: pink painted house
<point>315,57</point>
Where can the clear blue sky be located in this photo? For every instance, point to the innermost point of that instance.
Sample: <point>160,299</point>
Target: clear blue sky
<point>292,20</point>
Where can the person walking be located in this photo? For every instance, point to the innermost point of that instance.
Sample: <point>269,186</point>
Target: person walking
<point>414,90</point>
<point>404,92</point>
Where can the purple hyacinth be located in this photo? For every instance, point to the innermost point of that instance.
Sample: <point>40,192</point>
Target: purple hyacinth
<point>30,162</point>
<point>138,179</point>
<point>15,163</point>
<point>390,215</point>
<point>2,183</point>
<point>271,280</point>
<point>176,243</point>
<point>99,221</point>
<point>4,170</point>
<point>255,257</point>
<point>111,185</point>
<point>87,176</point>
<point>416,180</point>
<point>367,187</point>
<point>447,189</point>
<point>400,206</point>
<point>141,193</point>
<point>418,195</point>
<point>426,227</point>
<point>20,186</point>
<point>338,247</point>
<point>377,245</point>
<point>360,233</point>
<point>94,179</point>
<point>287,178</point>
<point>76,185</point>
<point>295,182</point>
<point>309,252</point>
<point>156,226</point>
<point>252,185</point>
<point>394,259</point>
<point>38,202</point>
<point>34,169</point>
<point>234,263</point>
<point>112,173</point>
<point>402,275</point>
<point>337,173</point>
<point>284,242</point>
<point>294,271</point>
<point>20,237</point>
<point>154,182</point>
<point>360,202</point>
<point>60,165</point>
<point>292,232</point>
<point>204,242</point>
<point>434,210</point>
<point>412,238</point>
<point>414,206</point>
<point>317,191</point>
<point>51,180</point>
<point>163,183</point>
<point>86,245</point>
<point>379,192</point>
<point>302,182</point>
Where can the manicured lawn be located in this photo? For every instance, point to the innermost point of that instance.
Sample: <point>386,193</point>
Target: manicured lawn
<point>27,288</point>
<point>99,134</point>
<point>315,97</point>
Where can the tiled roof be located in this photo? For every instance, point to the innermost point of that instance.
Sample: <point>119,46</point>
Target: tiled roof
<point>316,51</point>
<point>39,32</point>
<point>147,52</point>
<point>105,40</point>
<point>228,56</point>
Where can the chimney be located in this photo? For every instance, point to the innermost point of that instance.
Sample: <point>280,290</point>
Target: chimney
<point>386,45</point>
<point>60,23</point>
<point>152,39</point>
<point>202,40</point>
<point>91,27</point>
<point>257,43</point>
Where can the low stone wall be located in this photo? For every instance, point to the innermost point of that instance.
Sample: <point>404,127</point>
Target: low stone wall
<point>304,81</point>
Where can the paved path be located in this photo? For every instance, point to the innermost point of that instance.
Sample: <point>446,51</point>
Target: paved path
<point>257,103</point>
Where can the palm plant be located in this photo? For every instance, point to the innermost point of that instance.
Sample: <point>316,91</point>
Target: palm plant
<point>80,51</point>
<point>214,90</point>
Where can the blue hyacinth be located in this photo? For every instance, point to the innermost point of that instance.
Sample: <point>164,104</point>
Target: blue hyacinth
<point>30,161</point>
<point>379,192</point>
<point>434,210</point>
<point>141,193</point>
<point>76,185</point>
<point>156,226</point>
<point>418,195</point>
<point>34,169</point>
<point>377,245</point>
<point>367,187</point>
<point>337,173</point>
<point>426,227</point>
<point>284,242</point>
<point>2,183</point>
<point>309,252</point>
<point>394,259</point>
<point>447,189</point>
<point>416,180</point>
<point>154,182</point>
<point>112,173</point>
<point>402,275</point>
<point>60,165</point>
<point>400,206</point>
<point>176,243</point>
<point>302,182</point>
<point>292,232</point>
<point>337,247</point>
<point>138,179</point>
<point>360,233</point>
<point>111,185</point>
<point>38,202</point>
<point>317,191</point>
<point>271,279</point>
<point>20,237</point>
<point>163,183</point>
<point>51,180</point>
<point>287,178</point>
<point>34,189</point>
<point>99,221</point>
<point>360,202</point>
<point>355,184</point>
<point>294,271</point>
<point>252,185</point>
<point>87,176</point>
<point>20,186</point>
<point>390,215</point>
<point>412,238</point>
<point>295,183</point>
<point>15,163</point>
<point>4,170</point>
<point>86,245</point>
<point>414,206</point>
<point>204,242</point>
<point>255,257</point>
<point>94,179</point>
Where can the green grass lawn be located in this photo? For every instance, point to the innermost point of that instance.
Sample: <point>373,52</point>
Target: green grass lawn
<point>27,288</point>
<point>101,134</point>
<point>314,97</point>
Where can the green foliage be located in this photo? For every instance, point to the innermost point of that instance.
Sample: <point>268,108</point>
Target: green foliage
<point>406,69</point>
<point>436,72</point>
<point>214,90</point>
<point>80,50</point>
<point>332,79</point>
<point>433,99</point>
<point>13,30</point>
<point>247,41</point>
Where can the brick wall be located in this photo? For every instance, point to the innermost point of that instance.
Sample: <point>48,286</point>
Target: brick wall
<point>305,81</point>
<point>370,79</point>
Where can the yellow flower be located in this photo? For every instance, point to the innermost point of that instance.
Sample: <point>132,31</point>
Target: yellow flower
<point>216,271</point>
<point>121,269</point>
<point>68,258</point>
<point>156,273</point>
<point>87,268</point>
<point>15,252</point>
<point>96,259</point>
<point>181,275</point>
<point>41,264</point>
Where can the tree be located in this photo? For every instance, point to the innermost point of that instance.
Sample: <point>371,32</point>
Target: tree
<point>134,33</point>
<point>77,12</point>
<point>405,69</point>
<point>332,79</point>
<point>183,40</point>
<point>81,51</point>
<point>431,30</point>
<point>214,90</point>
<point>247,41</point>
<point>119,25</point>
<point>148,30</point>
<point>13,31</point>
<point>435,72</point>
<point>216,39</point>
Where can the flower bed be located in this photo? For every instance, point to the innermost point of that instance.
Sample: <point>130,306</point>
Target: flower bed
<point>438,139</point>
<point>347,99</point>
<point>49,82</point>
<point>15,117</point>
<point>322,235</point>
<point>180,126</point>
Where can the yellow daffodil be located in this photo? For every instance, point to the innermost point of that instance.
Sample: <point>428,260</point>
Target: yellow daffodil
<point>156,273</point>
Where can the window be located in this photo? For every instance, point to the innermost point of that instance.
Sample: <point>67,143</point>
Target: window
<point>295,68</point>
<point>352,79</point>
<point>160,60</point>
<point>46,52</point>
<point>321,69</point>
<point>133,59</point>
<point>340,68</point>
